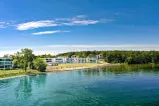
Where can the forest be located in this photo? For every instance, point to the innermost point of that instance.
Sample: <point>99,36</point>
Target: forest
<point>130,57</point>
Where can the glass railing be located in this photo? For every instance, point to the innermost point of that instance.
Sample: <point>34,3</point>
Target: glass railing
<point>3,63</point>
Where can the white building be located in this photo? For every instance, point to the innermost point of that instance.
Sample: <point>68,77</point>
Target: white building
<point>99,56</point>
<point>74,59</point>
<point>91,60</point>
<point>81,60</point>
<point>56,60</point>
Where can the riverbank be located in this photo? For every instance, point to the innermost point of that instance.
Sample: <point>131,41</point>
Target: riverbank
<point>5,74</point>
<point>67,67</point>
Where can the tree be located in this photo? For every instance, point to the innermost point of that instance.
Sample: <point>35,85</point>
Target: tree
<point>24,58</point>
<point>116,56</point>
<point>129,60</point>
<point>40,64</point>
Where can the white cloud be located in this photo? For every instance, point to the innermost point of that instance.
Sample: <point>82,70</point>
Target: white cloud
<point>49,32</point>
<point>81,16</point>
<point>77,20</point>
<point>68,48</point>
<point>78,17</point>
<point>118,47</point>
<point>36,24</point>
<point>4,24</point>
<point>56,49</point>
<point>85,22</point>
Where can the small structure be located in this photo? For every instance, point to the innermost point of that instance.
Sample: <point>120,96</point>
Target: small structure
<point>52,64</point>
<point>99,56</point>
<point>6,63</point>
<point>69,61</point>
<point>58,60</point>
<point>91,60</point>
<point>73,56</point>
<point>48,60</point>
<point>81,60</point>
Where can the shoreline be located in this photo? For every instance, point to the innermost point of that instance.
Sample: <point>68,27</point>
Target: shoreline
<point>12,77</point>
<point>81,67</point>
<point>61,70</point>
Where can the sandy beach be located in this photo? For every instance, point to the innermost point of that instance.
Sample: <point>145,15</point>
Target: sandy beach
<point>58,68</point>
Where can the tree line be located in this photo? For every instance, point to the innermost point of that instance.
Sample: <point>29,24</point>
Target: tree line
<point>130,57</point>
<point>25,58</point>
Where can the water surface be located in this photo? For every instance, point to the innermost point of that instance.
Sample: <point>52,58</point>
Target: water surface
<point>120,85</point>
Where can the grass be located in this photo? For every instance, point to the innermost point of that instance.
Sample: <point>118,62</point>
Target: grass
<point>16,72</point>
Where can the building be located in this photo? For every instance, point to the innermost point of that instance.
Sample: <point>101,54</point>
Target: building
<point>73,60</point>
<point>73,56</point>
<point>59,60</point>
<point>69,61</point>
<point>91,60</point>
<point>52,64</point>
<point>48,60</point>
<point>6,63</point>
<point>81,60</point>
<point>99,57</point>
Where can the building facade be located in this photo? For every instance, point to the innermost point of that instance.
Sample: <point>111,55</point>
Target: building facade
<point>6,63</point>
<point>73,60</point>
<point>91,60</point>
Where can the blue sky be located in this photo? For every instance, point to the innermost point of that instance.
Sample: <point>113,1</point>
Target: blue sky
<point>55,26</point>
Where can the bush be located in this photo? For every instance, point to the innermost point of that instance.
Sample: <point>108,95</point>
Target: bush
<point>40,64</point>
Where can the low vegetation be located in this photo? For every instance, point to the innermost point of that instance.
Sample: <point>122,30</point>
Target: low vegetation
<point>25,59</point>
<point>25,62</point>
<point>16,72</point>
<point>40,64</point>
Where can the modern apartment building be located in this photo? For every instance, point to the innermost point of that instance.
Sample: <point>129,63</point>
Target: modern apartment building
<point>91,60</point>
<point>74,59</point>
<point>5,63</point>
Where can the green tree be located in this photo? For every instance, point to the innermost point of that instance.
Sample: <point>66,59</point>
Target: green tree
<point>24,59</point>
<point>129,60</point>
<point>116,56</point>
<point>40,64</point>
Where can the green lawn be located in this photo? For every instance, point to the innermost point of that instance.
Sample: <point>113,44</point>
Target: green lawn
<point>16,72</point>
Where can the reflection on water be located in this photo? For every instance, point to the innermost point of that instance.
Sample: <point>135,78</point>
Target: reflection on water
<point>19,89</point>
<point>25,85</point>
<point>24,88</point>
<point>117,85</point>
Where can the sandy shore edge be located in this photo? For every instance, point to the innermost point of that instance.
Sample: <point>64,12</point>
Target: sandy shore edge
<point>64,69</point>
<point>74,68</point>
<point>13,77</point>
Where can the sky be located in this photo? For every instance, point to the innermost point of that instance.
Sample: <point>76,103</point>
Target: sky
<point>57,26</point>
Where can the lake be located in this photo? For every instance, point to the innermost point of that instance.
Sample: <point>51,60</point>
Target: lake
<point>109,86</point>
